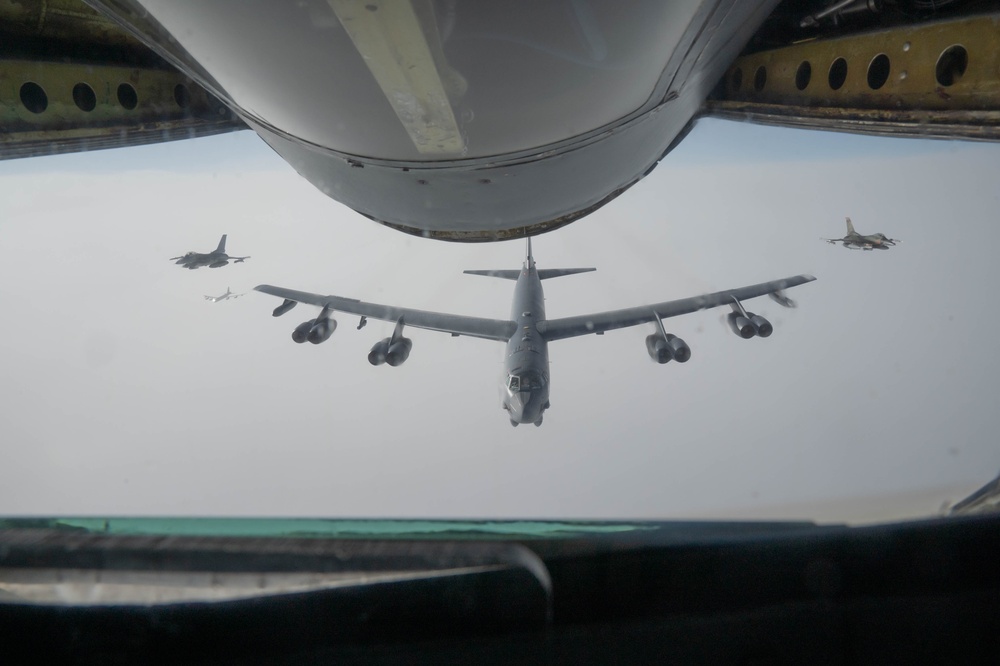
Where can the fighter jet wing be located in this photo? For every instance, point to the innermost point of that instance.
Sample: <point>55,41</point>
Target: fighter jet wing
<point>490,329</point>
<point>568,327</point>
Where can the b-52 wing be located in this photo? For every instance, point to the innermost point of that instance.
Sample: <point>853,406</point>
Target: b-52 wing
<point>490,329</point>
<point>552,329</point>
<point>568,327</point>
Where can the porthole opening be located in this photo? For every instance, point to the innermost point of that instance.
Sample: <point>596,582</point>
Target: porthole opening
<point>878,71</point>
<point>951,65</point>
<point>84,97</point>
<point>33,97</point>
<point>838,74</point>
<point>737,80</point>
<point>803,74</point>
<point>127,96</point>
<point>182,96</point>
<point>760,78</point>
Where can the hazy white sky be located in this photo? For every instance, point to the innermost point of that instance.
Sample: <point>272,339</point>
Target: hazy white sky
<point>124,392</point>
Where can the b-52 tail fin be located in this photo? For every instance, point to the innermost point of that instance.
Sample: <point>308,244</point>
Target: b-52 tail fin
<point>529,263</point>
<point>222,244</point>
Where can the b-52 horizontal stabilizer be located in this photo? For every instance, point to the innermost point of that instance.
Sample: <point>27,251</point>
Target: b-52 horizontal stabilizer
<point>543,273</point>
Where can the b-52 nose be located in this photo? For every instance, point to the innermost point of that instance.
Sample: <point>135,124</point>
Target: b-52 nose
<point>523,409</point>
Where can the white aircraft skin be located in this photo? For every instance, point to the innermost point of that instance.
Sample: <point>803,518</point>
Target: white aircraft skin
<point>229,294</point>
<point>527,332</point>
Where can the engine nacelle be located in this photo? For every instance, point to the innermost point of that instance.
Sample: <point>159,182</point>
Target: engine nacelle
<point>741,326</point>
<point>398,352</point>
<point>301,332</point>
<point>761,326</point>
<point>379,352</point>
<point>658,348</point>
<point>322,330</point>
<point>678,349</point>
<point>663,350</point>
<point>284,307</point>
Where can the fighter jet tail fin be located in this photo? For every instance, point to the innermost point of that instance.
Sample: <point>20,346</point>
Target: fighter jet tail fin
<point>850,226</point>
<point>222,244</point>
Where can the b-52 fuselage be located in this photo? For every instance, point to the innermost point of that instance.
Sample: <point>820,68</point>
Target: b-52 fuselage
<point>214,259</point>
<point>527,332</point>
<point>855,241</point>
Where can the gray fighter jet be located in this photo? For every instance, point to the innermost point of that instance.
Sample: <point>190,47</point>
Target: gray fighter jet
<point>527,332</point>
<point>229,294</point>
<point>855,241</point>
<point>213,259</point>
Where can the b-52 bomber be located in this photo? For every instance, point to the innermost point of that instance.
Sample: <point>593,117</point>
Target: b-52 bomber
<point>527,332</point>
<point>855,241</point>
<point>214,259</point>
<point>226,296</point>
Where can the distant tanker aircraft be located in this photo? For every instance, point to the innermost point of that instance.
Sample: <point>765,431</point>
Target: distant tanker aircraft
<point>527,332</point>
<point>224,297</point>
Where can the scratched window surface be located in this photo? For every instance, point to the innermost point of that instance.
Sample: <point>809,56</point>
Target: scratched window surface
<point>126,391</point>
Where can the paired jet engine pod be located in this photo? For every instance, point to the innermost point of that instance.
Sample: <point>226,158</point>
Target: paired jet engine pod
<point>379,351</point>
<point>314,330</point>
<point>301,332</point>
<point>761,325</point>
<point>393,353</point>
<point>399,351</point>
<point>749,326</point>
<point>663,349</point>
<point>322,330</point>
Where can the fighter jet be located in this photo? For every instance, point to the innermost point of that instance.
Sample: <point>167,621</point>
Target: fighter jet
<point>229,294</point>
<point>855,241</point>
<point>527,332</point>
<point>214,259</point>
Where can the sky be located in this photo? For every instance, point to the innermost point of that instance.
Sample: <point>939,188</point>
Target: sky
<point>126,393</point>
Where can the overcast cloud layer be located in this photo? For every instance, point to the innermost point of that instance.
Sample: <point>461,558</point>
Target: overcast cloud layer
<point>124,392</point>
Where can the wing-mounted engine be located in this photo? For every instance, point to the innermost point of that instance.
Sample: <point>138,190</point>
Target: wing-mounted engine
<point>379,352</point>
<point>747,324</point>
<point>301,332</point>
<point>314,330</point>
<point>322,330</point>
<point>399,351</point>
<point>664,347</point>
<point>393,350</point>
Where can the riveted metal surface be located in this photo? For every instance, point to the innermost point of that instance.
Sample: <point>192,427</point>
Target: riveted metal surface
<point>156,94</point>
<point>65,20</point>
<point>114,105</point>
<point>944,65</point>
